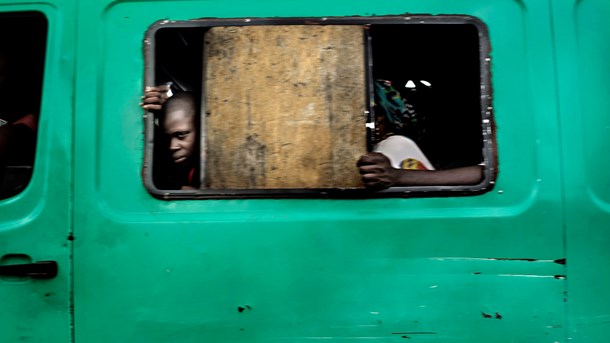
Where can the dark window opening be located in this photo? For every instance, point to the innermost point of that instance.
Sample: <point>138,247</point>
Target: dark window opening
<point>22,54</point>
<point>436,69</point>
<point>178,65</point>
<point>244,77</point>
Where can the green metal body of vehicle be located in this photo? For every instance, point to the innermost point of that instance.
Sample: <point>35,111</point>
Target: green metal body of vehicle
<point>524,262</point>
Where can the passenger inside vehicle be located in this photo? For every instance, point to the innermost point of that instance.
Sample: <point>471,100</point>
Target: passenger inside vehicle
<point>178,118</point>
<point>397,160</point>
<point>427,107</point>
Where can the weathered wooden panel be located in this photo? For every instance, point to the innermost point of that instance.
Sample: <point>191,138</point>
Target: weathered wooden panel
<point>284,106</point>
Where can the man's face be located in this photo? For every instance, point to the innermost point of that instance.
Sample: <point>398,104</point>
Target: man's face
<point>180,127</point>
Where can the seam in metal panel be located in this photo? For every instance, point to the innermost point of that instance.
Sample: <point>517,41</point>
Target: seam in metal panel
<point>75,12</point>
<point>562,182</point>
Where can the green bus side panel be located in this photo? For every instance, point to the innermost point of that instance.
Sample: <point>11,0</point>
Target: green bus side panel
<point>583,59</point>
<point>35,224</point>
<point>467,269</point>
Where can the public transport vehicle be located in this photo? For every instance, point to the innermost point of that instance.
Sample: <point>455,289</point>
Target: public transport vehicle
<point>278,241</point>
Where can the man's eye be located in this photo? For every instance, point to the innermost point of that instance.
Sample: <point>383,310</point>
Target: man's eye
<point>181,134</point>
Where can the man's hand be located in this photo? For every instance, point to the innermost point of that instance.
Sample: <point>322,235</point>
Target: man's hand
<point>154,97</point>
<point>376,171</point>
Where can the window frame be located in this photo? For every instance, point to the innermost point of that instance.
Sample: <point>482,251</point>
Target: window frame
<point>489,153</point>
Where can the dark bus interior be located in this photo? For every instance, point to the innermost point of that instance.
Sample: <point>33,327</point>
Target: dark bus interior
<point>22,54</point>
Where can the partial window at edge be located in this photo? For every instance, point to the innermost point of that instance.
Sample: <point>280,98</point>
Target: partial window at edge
<point>22,55</point>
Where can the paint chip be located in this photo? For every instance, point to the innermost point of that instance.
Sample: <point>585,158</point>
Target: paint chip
<point>241,309</point>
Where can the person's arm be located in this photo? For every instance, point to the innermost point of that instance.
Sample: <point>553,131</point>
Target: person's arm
<point>377,173</point>
<point>28,120</point>
<point>154,97</point>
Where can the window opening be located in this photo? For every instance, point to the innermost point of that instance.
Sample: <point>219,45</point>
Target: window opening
<point>427,104</point>
<point>178,68</point>
<point>385,85</point>
<point>22,54</point>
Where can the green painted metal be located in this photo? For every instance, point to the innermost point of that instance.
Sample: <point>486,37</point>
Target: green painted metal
<point>262,270</point>
<point>35,224</point>
<point>582,38</point>
<point>484,268</point>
